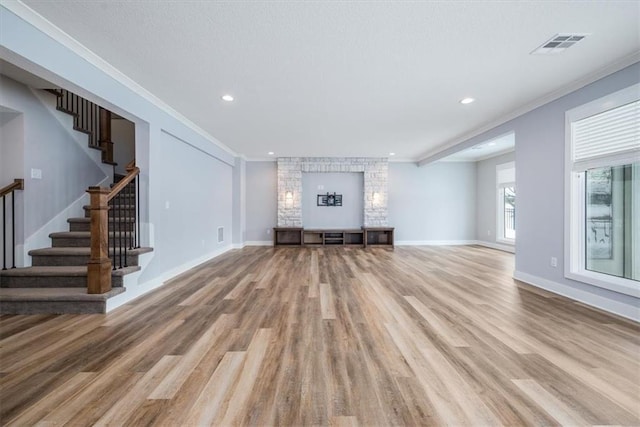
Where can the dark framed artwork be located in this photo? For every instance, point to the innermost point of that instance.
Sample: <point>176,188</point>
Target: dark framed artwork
<point>329,199</point>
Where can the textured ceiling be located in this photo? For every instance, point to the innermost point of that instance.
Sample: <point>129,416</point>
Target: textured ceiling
<point>346,78</point>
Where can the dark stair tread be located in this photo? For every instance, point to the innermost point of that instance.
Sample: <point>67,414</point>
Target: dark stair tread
<point>64,271</point>
<point>54,294</point>
<point>88,220</point>
<point>87,207</point>
<point>82,234</point>
<point>79,219</point>
<point>82,251</point>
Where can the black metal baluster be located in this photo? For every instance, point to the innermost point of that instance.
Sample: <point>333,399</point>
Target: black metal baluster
<point>121,228</point>
<point>112,231</point>
<point>13,229</point>
<point>4,233</point>
<point>125,224</point>
<point>129,212</point>
<point>137,211</point>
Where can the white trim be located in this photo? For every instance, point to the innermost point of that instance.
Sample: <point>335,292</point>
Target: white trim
<point>137,290</point>
<point>631,59</point>
<point>498,246</point>
<point>258,243</point>
<point>261,159</point>
<point>238,245</point>
<point>574,200</point>
<point>479,159</point>
<point>434,242</point>
<point>41,23</point>
<point>627,311</point>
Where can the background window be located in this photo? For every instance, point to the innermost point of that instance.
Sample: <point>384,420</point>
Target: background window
<point>509,212</point>
<point>506,207</point>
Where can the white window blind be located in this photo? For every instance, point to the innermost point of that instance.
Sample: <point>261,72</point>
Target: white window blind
<point>608,138</point>
<point>506,174</point>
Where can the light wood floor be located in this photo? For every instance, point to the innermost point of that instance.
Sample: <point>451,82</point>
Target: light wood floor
<point>328,336</point>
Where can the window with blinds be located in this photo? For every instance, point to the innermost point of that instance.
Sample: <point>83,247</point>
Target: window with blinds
<point>608,138</point>
<point>602,222</point>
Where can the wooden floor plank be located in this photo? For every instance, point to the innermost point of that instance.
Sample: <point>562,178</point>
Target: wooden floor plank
<point>328,336</point>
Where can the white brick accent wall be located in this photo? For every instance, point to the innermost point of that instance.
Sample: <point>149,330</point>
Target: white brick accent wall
<point>290,169</point>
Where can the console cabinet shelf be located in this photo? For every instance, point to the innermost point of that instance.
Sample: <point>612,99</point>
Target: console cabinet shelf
<point>365,236</point>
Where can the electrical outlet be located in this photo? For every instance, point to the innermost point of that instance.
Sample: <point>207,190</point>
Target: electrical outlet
<point>167,205</point>
<point>554,262</point>
<point>320,187</point>
<point>268,231</point>
<point>36,173</point>
<point>488,232</point>
<point>203,243</point>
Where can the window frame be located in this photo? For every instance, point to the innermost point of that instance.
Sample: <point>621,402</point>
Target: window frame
<point>575,189</point>
<point>500,235</point>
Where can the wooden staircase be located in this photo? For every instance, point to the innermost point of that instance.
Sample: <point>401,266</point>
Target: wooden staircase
<point>57,281</point>
<point>87,264</point>
<point>88,118</point>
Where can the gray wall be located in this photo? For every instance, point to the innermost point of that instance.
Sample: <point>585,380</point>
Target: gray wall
<point>486,196</point>
<point>540,162</point>
<point>432,203</point>
<point>190,194</point>
<point>53,148</point>
<point>349,215</point>
<point>239,212</point>
<point>262,200</point>
<point>11,167</point>
<point>11,146</point>
<point>178,161</point>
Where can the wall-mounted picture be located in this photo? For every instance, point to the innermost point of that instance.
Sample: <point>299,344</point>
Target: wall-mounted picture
<point>330,199</point>
<point>599,214</point>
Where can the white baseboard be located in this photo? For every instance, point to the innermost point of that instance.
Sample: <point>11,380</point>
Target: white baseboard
<point>499,246</point>
<point>434,242</point>
<point>135,290</point>
<point>239,245</point>
<point>629,311</point>
<point>258,243</point>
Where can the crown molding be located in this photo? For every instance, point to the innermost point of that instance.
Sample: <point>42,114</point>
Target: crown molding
<point>624,62</point>
<point>47,27</point>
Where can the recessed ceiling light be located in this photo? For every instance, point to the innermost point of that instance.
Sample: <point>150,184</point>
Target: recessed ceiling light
<point>392,154</point>
<point>271,153</point>
<point>227,98</point>
<point>491,144</point>
<point>466,100</point>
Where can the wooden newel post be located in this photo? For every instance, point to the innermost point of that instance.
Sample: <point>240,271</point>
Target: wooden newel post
<point>105,135</point>
<point>99,267</point>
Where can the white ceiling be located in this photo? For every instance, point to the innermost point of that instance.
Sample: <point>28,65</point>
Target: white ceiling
<point>347,78</point>
<point>491,148</point>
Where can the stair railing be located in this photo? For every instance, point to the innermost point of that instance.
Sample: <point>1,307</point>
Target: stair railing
<point>115,224</point>
<point>89,118</point>
<point>9,192</point>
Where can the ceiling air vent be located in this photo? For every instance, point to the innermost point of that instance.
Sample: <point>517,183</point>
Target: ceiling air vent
<point>559,43</point>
